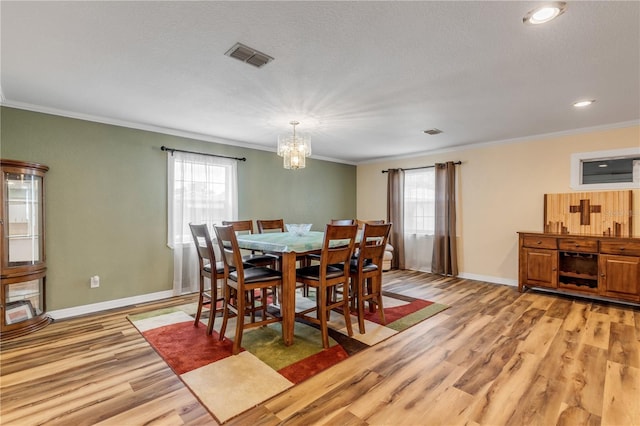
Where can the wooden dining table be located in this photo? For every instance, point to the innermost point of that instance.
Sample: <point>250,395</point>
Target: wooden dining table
<point>289,247</point>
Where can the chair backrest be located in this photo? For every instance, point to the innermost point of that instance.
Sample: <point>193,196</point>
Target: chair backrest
<point>343,222</point>
<point>240,226</point>
<point>231,255</point>
<point>373,243</point>
<point>338,244</point>
<point>276,225</point>
<point>361,223</point>
<point>204,245</point>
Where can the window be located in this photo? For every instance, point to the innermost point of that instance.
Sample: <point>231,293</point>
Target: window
<point>615,169</point>
<point>419,201</point>
<point>419,218</point>
<point>203,192</point>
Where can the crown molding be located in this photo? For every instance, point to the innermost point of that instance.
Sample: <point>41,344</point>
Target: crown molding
<point>150,128</point>
<point>542,136</point>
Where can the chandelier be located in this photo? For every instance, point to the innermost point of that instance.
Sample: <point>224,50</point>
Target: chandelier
<point>294,148</point>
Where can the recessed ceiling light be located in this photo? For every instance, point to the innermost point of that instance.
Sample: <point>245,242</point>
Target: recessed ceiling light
<point>582,104</point>
<point>545,13</point>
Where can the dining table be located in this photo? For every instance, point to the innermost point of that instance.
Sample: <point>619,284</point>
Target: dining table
<point>289,247</point>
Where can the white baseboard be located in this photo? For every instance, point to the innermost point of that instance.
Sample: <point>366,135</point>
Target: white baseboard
<point>489,279</point>
<point>128,301</point>
<point>111,304</point>
<point>486,278</point>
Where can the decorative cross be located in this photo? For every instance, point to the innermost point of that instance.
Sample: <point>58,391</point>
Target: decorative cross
<point>585,209</point>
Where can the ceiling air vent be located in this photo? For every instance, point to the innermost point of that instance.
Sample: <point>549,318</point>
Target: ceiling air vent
<point>250,56</point>
<point>433,131</point>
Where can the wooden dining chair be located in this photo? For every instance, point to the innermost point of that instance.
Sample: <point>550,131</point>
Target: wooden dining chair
<point>332,272</point>
<point>342,222</point>
<point>244,282</point>
<point>366,271</point>
<point>210,269</point>
<point>275,225</point>
<point>257,259</point>
<point>361,223</point>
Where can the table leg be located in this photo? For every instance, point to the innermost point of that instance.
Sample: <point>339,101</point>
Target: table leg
<point>288,302</point>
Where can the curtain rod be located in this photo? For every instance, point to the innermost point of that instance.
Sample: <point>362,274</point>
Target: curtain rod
<point>172,150</point>
<point>422,167</point>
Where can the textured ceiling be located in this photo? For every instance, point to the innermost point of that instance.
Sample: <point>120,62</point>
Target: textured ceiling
<point>363,78</point>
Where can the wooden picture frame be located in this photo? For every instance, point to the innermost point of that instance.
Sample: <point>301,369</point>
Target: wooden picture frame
<point>19,311</point>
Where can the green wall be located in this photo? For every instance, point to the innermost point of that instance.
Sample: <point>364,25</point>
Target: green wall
<point>106,200</point>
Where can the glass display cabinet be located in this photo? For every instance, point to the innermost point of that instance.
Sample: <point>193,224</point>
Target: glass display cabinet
<point>23,272</point>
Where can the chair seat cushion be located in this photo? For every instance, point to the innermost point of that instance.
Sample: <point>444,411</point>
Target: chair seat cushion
<point>259,258</point>
<point>367,267</point>
<point>219,268</point>
<point>313,272</point>
<point>258,274</point>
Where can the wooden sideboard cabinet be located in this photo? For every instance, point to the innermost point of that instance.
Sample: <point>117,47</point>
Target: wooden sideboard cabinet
<point>587,265</point>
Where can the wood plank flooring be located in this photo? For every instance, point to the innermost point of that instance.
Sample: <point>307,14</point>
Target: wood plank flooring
<point>496,357</point>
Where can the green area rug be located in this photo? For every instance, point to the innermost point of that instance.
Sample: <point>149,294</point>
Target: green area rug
<point>228,385</point>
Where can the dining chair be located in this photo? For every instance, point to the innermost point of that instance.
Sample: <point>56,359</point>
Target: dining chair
<point>244,282</point>
<point>333,271</point>
<point>337,222</point>
<point>366,270</point>
<point>275,225</point>
<point>209,268</point>
<point>343,222</point>
<point>361,223</point>
<point>257,259</point>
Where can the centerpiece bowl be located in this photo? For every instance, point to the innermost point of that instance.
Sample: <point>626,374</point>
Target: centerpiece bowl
<point>298,229</point>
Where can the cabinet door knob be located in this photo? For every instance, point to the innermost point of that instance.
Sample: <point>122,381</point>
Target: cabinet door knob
<point>621,248</point>
<point>577,245</point>
<point>602,275</point>
<point>539,242</point>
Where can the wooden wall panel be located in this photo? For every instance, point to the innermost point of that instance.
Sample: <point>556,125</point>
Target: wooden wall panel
<point>589,213</point>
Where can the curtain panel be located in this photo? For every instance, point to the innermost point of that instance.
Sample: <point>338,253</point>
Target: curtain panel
<point>395,215</point>
<point>445,253</point>
<point>201,189</point>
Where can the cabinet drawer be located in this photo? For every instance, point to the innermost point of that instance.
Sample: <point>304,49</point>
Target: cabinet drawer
<point>578,245</point>
<point>540,242</point>
<point>630,248</point>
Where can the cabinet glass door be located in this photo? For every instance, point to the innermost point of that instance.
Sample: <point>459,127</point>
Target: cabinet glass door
<point>24,219</point>
<point>23,300</point>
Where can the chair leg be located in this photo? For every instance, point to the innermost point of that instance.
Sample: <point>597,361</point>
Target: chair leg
<point>239,325</point>
<point>200,302</point>
<point>213,307</point>
<point>322,314</point>
<point>264,304</point>
<point>378,290</point>
<point>345,308</point>
<point>370,290</point>
<point>360,302</point>
<point>225,310</point>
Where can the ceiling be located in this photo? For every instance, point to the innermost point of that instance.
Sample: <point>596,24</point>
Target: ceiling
<point>365,79</point>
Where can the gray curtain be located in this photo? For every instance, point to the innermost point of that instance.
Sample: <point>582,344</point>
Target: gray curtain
<point>395,215</point>
<point>445,253</point>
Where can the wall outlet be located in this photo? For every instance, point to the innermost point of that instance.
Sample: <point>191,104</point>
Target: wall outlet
<point>95,281</point>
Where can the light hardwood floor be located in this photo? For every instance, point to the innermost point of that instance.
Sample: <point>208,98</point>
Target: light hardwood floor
<point>496,357</point>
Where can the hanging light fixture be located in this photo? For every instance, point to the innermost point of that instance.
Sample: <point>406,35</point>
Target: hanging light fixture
<point>294,148</point>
